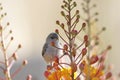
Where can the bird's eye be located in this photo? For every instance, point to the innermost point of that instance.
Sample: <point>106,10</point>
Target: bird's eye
<point>52,37</point>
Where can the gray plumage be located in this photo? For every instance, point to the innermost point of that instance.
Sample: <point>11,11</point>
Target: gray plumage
<point>49,52</point>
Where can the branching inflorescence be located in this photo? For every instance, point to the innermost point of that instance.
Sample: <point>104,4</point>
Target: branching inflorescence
<point>69,48</point>
<point>5,42</point>
<point>83,64</point>
<point>94,39</point>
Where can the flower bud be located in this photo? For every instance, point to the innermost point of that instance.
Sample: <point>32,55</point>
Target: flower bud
<point>109,47</point>
<point>86,38</point>
<point>19,46</point>
<point>57,22</point>
<point>56,59</point>
<point>74,52</point>
<point>77,11</point>
<point>62,25</point>
<point>10,31</point>
<point>87,43</point>
<point>57,31</point>
<point>12,38</point>
<point>82,65</point>
<point>104,28</point>
<point>25,62</point>
<point>47,73</point>
<point>62,6</point>
<point>74,66</point>
<point>108,75</point>
<point>5,14</point>
<point>8,23</point>
<point>74,32</point>
<point>94,59</point>
<point>65,47</point>
<point>49,67</point>
<point>29,77</point>
<point>84,51</point>
<point>62,13</point>
<point>74,3</point>
<point>83,25</point>
<point>15,56</point>
<point>96,13</point>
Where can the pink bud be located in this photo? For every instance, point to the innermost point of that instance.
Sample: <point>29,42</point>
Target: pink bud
<point>94,59</point>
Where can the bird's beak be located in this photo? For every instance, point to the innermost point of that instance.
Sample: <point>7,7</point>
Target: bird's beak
<point>56,38</point>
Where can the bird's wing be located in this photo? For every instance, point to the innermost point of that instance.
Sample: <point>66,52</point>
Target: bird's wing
<point>44,49</point>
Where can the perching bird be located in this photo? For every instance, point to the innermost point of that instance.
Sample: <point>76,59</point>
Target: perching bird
<point>49,51</point>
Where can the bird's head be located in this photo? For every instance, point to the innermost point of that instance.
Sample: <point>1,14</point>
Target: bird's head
<point>52,37</point>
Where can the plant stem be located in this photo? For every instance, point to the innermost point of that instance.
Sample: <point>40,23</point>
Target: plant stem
<point>7,69</point>
<point>70,39</point>
<point>89,34</point>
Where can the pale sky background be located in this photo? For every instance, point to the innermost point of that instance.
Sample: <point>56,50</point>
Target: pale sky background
<point>32,20</point>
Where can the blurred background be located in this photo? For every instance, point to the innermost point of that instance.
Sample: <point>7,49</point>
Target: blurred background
<point>32,20</point>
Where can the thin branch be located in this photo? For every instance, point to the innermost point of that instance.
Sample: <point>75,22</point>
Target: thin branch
<point>80,45</point>
<point>17,71</point>
<point>79,60</point>
<point>65,64</point>
<point>2,68</point>
<point>78,57</point>
<point>78,75</point>
<point>2,62</point>
<point>63,39</point>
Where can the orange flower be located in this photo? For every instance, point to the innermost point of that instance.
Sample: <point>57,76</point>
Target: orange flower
<point>60,74</point>
<point>92,72</point>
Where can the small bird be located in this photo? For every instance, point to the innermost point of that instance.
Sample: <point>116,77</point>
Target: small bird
<point>49,51</point>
